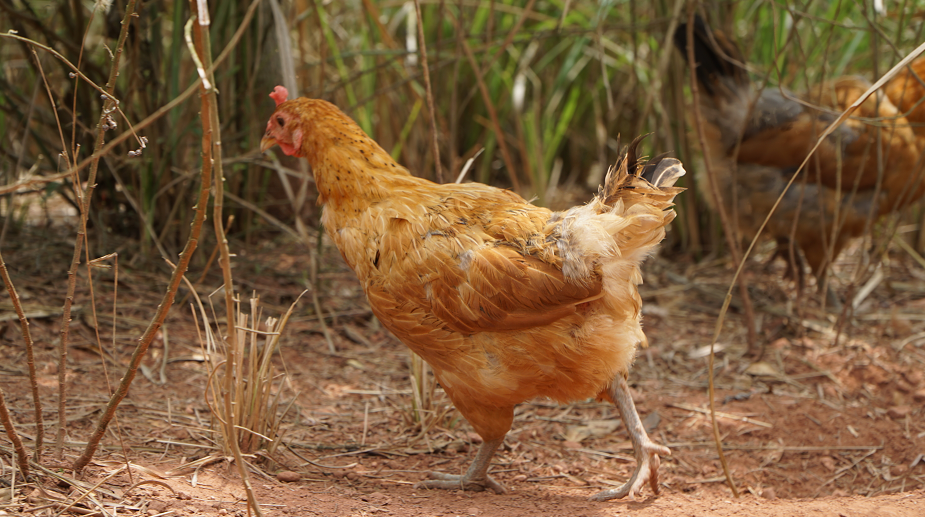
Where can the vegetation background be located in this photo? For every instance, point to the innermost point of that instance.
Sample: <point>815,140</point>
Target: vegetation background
<point>545,90</point>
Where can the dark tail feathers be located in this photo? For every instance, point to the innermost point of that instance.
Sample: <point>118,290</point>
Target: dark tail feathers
<point>717,57</point>
<point>659,171</point>
<point>635,180</point>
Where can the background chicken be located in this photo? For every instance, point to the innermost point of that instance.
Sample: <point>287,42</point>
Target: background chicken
<point>907,91</point>
<point>756,140</point>
<point>507,301</point>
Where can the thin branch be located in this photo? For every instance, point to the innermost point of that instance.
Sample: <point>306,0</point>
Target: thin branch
<point>212,157</point>
<point>84,203</point>
<point>430,94</point>
<point>21,456</point>
<point>30,360</point>
<point>730,236</point>
<point>489,105</point>
<point>182,264</point>
<point>180,99</point>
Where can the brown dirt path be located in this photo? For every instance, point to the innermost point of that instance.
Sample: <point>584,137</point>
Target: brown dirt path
<point>814,429</point>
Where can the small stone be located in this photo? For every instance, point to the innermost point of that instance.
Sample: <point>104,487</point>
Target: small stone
<point>919,395</point>
<point>780,343</point>
<point>377,498</point>
<point>473,511</point>
<point>183,496</point>
<point>158,506</point>
<point>898,470</point>
<point>352,476</point>
<point>457,446</point>
<point>769,494</point>
<point>223,512</point>
<point>518,478</point>
<point>828,463</point>
<point>288,476</point>
<point>915,376</point>
<point>897,412</point>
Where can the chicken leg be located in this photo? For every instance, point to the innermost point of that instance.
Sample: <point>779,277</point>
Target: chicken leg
<point>475,479</point>
<point>645,450</point>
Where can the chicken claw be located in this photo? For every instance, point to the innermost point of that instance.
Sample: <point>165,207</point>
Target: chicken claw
<point>475,479</point>
<point>464,482</point>
<point>645,450</point>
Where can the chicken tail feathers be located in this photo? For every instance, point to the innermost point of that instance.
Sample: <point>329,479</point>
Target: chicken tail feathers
<point>719,62</point>
<point>622,224</point>
<point>633,179</point>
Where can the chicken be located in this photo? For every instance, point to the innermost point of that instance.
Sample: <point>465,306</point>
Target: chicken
<point>907,91</point>
<point>505,300</point>
<point>756,140</point>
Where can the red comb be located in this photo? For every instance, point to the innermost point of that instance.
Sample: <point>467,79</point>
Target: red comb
<point>279,95</point>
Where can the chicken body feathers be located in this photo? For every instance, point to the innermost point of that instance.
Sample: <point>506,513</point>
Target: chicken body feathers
<point>907,91</point>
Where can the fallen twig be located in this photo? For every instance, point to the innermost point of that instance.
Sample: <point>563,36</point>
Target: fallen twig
<point>689,407</point>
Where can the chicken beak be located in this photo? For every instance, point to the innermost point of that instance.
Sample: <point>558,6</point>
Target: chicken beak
<point>266,143</point>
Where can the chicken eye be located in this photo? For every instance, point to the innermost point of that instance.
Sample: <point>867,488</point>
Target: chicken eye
<point>281,121</point>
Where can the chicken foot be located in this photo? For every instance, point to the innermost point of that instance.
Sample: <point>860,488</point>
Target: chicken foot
<point>475,479</point>
<point>794,270</point>
<point>645,450</point>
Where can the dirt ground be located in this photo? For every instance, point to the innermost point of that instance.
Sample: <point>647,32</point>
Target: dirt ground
<point>810,428</point>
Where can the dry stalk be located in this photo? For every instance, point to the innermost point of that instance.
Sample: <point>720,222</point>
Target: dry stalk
<point>99,263</point>
<point>108,106</point>
<point>422,390</point>
<point>21,456</point>
<point>30,360</point>
<point>489,105</point>
<point>429,93</point>
<point>730,237</point>
<point>78,74</point>
<point>182,264</point>
<point>251,395</point>
<point>212,158</point>
<point>729,228</point>
<point>313,278</point>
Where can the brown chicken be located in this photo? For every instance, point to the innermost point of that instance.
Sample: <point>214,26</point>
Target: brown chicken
<point>907,91</point>
<point>756,140</point>
<point>505,300</point>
